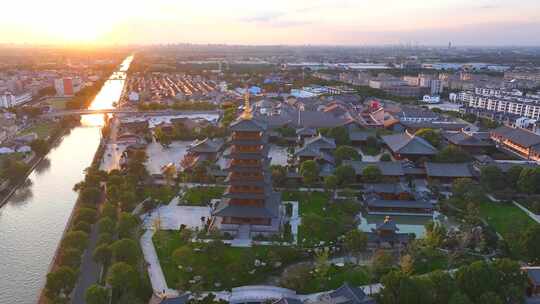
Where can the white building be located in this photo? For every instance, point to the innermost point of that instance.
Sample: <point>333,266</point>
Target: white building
<point>8,99</point>
<point>499,100</point>
<point>431,99</point>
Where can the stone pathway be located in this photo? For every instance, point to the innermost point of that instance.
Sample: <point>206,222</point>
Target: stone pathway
<point>533,216</point>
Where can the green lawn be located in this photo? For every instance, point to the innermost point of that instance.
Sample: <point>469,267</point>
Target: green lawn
<point>57,103</point>
<point>370,150</point>
<point>211,263</point>
<point>200,196</point>
<point>42,130</point>
<point>321,220</point>
<point>505,217</point>
<point>336,276</point>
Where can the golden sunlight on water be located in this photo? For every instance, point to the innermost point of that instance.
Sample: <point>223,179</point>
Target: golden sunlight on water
<point>109,94</point>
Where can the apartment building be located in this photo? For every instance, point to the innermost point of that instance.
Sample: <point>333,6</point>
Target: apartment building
<point>500,100</point>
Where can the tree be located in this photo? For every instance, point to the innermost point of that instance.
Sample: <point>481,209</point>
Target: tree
<point>459,298</point>
<point>406,264</point>
<point>489,298</point>
<point>125,250</point>
<point>452,154</point>
<point>476,279</point>
<point>309,171</point>
<point>346,153</point>
<point>60,283</point>
<point>443,286</point>
<point>90,195</point>
<point>345,175</point>
<point>15,171</point>
<point>127,224</point>
<point>104,238</point>
<point>122,277</point>
<point>381,263</point>
<point>106,225</point>
<point>512,176</point>
<point>162,137</point>
<point>330,182</point>
<point>530,242</point>
<point>96,294</point>
<point>435,234</point>
<point>109,210</point>
<point>340,135</point>
<point>372,174</point>
<point>86,215</point>
<point>279,175</point>
<point>386,157</point>
<point>75,239</point>
<point>512,281</point>
<point>430,135</point>
<point>355,241</point>
<point>71,257</point>
<point>297,277</point>
<point>466,189</point>
<point>102,254</point>
<point>40,146</point>
<point>492,178</point>
<point>529,180</point>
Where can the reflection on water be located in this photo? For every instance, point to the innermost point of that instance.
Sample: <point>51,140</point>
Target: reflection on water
<point>32,221</point>
<point>43,166</point>
<point>406,224</point>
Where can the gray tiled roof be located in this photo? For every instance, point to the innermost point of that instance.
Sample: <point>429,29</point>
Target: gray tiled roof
<point>247,125</point>
<point>409,144</point>
<point>397,204</point>
<point>448,169</point>
<point>388,168</point>
<point>519,136</point>
<point>288,301</point>
<point>464,139</point>
<point>350,295</point>
<point>394,188</point>
<point>534,275</point>
<point>270,209</point>
<point>358,135</point>
<point>206,145</point>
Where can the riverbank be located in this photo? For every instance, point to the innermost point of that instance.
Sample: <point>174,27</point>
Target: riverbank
<point>54,264</point>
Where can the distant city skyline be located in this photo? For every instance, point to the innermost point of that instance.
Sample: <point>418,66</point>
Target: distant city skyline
<point>299,22</point>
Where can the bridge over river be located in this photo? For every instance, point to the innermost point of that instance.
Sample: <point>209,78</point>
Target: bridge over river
<point>127,111</point>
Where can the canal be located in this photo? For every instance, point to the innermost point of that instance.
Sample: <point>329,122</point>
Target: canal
<point>34,218</point>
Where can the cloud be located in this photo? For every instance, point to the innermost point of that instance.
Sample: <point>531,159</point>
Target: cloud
<point>263,17</point>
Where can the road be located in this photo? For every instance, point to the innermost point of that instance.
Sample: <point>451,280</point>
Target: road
<point>89,271</point>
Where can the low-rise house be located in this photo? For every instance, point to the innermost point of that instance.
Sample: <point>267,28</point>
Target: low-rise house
<point>346,294</point>
<point>474,143</point>
<point>136,127</point>
<point>414,114</point>
<point>304,133</point>
<point>395,191</point>
<point>318,148</point>
<point>448,172</point>
<point>129,139</point>
<point>413,126</point>
<point>408,146</point>
<point>390,170</point>
<point>533,279</point>
<point>377,206</point>
<point>520,141</point>
<point>359,137</point>
<point>386,235</point>
<point>202,150</point>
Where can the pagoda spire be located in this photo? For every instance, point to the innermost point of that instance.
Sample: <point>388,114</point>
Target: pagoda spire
<point>247,115</point>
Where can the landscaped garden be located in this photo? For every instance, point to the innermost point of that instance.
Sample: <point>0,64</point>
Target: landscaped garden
<point>505,217</point>
<point>201,196</point>
<point>193,266</point>
<point>322,221</point>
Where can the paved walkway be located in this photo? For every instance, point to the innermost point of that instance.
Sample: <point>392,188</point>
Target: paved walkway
<point>89,270</point>
<point>533,216</point>
<point>157,278</point>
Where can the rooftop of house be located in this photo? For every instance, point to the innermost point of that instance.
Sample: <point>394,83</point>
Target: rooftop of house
<point>347,294</point>
<point>406,143</point>
<point>533,273</point>
<point>519,136</point>
<point>206,145</point>
<point>448,169</point>
<point>388,168</point>
<point>466,139</point>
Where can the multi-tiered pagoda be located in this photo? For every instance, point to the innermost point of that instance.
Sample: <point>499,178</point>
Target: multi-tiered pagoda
<point>249,206</point>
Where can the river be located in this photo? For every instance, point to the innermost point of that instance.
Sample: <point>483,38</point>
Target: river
<point>33,220</point>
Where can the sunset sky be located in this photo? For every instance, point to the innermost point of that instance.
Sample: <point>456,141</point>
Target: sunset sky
<point>343,22</point>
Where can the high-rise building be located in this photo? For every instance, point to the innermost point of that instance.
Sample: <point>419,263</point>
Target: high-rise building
<point>249,206</point>
<point>67,86</point>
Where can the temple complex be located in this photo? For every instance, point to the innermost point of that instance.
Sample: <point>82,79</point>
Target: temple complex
<point>249,206</point>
